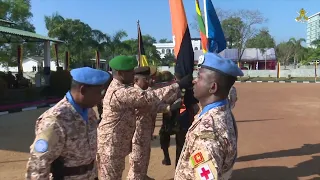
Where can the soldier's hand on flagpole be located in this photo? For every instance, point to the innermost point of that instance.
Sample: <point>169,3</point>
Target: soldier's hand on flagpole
<point>186,82</point>
<point>176,105</point>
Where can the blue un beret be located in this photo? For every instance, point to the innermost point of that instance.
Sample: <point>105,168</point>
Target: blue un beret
<point>215,62</point>
<point>90,76</point>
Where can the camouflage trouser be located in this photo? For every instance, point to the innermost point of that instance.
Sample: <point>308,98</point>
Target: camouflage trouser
<point>110,168</point>
<point>140,155</point>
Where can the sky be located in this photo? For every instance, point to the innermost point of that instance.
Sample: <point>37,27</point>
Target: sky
<point>110,16</point>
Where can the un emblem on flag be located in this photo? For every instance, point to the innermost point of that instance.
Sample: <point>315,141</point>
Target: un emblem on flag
<point>201,60</point>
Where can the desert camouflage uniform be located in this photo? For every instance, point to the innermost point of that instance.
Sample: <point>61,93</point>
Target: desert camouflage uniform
<point>212,133</point>
<point>115,131</point>
<point>232,97</point>
<point>68,136</point>
<point>141,142</point>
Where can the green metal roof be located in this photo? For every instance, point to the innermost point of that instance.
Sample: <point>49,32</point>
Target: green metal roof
<point>18,32</point>
<point>6,21</point>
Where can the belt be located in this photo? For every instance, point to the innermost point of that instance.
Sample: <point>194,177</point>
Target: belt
<point>78,170</point>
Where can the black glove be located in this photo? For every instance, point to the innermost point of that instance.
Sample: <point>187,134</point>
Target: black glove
<point>186,82</point>
<point>176,105</point>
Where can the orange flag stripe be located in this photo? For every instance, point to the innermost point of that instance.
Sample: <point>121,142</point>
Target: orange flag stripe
<point>179,23</point>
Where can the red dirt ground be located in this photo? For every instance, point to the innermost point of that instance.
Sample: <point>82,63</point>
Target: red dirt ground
<point>277,135</point>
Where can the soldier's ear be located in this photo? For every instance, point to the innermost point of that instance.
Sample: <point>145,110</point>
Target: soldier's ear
<point>82,89</point>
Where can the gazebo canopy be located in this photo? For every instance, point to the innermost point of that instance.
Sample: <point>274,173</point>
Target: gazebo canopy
<point>25,35</point>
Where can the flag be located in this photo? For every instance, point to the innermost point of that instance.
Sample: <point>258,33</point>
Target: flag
<point>97,60</point>
<point>216,39</point>
<point>202,28</point>
<point>182,49</point>
<point>20,59</point>
<point>141,54</point>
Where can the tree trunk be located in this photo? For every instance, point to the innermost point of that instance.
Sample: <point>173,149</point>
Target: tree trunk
<point>295,62</point>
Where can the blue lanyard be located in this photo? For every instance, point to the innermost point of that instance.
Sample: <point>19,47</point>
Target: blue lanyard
<point>81,111</point>
<point>213,105</point>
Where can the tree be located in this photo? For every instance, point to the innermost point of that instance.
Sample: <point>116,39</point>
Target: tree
<point>19,12</point>
<point>231,31</point>
<point>262,40</point>
<point>78,37</point>
<point>238,27</point>
<point>312,53</point>
<point>247,28</point>
<point>298,48</point>
<point>150,50</point>
<point>115,46</point>
<point>164,40</point>
<point>316,43</point>
<point>284,52</point>
<point>168,60</point>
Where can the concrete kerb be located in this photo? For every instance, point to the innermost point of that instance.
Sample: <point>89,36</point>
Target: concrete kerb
<point>304,82</point>
<point>25,109</point>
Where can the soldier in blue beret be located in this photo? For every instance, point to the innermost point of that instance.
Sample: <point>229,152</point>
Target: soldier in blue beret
<point>66,134</point>
<point>210,148</point>
<point>116,129</point>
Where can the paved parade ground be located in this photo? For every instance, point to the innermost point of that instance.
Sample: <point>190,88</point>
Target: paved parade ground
<point>278,125</point>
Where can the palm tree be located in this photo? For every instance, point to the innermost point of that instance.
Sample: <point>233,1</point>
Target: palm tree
<point>316,43</point>
<point>114,45</point>
<point>99,40</point>
<point>298,48</point>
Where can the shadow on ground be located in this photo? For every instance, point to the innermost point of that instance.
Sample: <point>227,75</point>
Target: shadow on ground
<point>306,149</point>
<point>16,132</point>
<point>304,169</point>
<point>258,120</point>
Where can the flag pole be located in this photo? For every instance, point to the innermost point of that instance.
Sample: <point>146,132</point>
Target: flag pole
<point>139,48</point>
<point>206,23</point>
<point>205,17</point>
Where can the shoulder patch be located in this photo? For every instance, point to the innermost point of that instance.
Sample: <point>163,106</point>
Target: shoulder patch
<point>206,171</point>
<point>198,157</point>
<point>41,146</point>
<point>207,135</point>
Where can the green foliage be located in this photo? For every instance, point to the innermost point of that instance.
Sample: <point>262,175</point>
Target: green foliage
<point>18,11</point>
<point>164,40</point>
<point>150,50</point>
<point>82,41</point>
<point>168,60</point>
<point>292,51</point>
<point>284,52</point>
<point>262,41</point>
<point>60,82</point>
<point>231,28</point>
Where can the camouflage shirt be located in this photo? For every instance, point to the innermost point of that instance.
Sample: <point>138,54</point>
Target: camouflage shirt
<point>118,123</point>
<point>232,97</point>
<point>213,135</point>
<point>68,136</point>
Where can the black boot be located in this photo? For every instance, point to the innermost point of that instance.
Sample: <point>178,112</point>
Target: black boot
<point>166,161</point>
